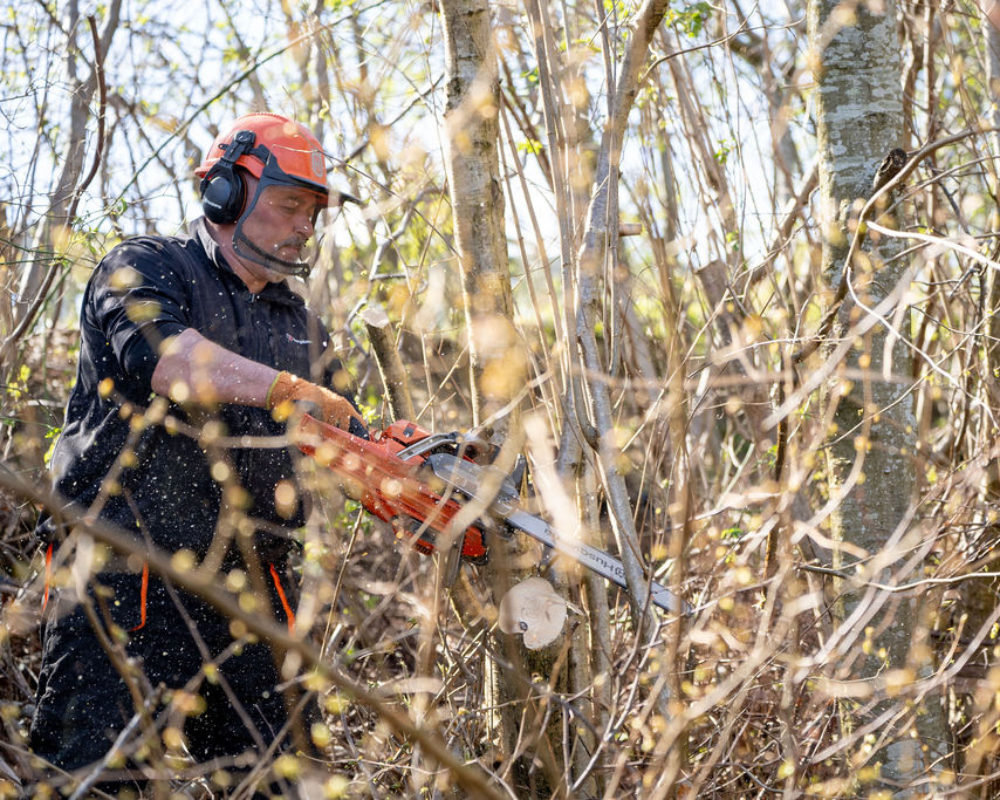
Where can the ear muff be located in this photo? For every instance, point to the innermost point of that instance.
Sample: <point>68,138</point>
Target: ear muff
<point>222,197</point>
<point>223,191</point>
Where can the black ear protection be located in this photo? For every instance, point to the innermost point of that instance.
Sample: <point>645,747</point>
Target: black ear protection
<point>223,191</point>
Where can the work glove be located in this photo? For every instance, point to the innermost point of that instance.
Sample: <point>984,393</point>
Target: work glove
<point>290,393</point>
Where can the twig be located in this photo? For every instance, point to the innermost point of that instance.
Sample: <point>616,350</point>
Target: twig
<point>906,587</point>
<point>95,774</point>
<point>860,233</point>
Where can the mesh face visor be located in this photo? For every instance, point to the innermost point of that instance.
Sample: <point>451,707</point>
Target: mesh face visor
<point>270,232</point>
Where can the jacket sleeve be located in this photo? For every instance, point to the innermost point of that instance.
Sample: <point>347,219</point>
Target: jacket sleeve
<point>137,299</point>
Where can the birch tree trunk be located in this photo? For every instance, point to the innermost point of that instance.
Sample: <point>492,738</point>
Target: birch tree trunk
<point>871,464</point>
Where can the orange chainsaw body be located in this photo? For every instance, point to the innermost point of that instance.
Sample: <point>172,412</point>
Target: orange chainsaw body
<point>391,488</point>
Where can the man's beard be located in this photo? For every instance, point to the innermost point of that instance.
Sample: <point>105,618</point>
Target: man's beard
<point>246,248</point>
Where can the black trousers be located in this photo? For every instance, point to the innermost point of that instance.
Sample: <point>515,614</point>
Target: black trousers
<point>83,703</point>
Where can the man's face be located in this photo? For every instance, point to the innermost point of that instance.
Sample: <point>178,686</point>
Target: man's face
<point>282,220</point>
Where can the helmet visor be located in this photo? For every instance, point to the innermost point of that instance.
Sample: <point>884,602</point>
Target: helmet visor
<point>278,228</point>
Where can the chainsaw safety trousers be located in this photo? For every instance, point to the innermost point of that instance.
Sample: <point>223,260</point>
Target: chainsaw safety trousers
<point>231,709</point>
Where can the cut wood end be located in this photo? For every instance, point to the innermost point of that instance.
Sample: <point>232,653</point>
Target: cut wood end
<point>533,608</point>
<point>375,316</point>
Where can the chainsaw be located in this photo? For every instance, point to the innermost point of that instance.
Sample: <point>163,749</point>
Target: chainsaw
<point>419,481</point>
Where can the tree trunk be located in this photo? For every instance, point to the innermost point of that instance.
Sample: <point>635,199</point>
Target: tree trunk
<point>978,599</point>
<point>473,169</point>
<point>390,365</point>
<point>498,363</point>
<point>598,237</point>
<point>871,465</point>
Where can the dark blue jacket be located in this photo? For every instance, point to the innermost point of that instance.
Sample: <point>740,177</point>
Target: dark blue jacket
<point>153,478</point>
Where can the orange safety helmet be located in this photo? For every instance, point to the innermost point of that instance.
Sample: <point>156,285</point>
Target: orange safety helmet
<point>297,153</point>
<point>276,151</point>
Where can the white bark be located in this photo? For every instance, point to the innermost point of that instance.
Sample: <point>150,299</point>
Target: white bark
<point>871,457</point>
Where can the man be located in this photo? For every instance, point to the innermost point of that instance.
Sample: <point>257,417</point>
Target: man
<point>185,340</point>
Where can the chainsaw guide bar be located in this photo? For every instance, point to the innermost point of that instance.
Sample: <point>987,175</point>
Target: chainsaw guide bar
<point>419,481</point>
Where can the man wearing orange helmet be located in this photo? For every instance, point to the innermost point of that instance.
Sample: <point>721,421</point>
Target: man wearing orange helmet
<point>177,332</point>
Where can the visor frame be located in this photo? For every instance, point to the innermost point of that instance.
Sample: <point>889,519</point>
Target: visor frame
<point>273,175</point>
